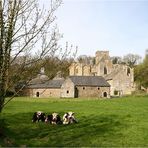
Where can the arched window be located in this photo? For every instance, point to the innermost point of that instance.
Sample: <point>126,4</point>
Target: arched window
<point>105,94</point>
<point>76,70</point>
<point>128,71</point>
<point>105,70</point>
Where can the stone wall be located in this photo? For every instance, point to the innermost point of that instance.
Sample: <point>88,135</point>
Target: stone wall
<point>26,92</point>
<point>67,89</point>
<point>47,92</point>
<point>100,55</point>
<point>102,62</point>
<point>87,91</point>
<point>79,69</point>
<point>122,81</point>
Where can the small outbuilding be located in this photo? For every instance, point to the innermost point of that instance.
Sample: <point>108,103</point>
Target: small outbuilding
<point>41,86</point>
<point>50,88</point>
<point>85,86</point>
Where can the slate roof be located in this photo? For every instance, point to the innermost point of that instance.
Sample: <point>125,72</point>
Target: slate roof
<point>48,84</point>
<point>89,81</point>
<point>77,80</point>
<point>41,78</point>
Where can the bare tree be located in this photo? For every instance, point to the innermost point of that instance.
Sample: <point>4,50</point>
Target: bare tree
<point>131,59</point>
<point>116,60</point>
<point>86,59</point>
<point>25,29</point>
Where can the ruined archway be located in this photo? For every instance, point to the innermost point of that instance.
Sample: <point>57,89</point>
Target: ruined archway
<point>128,71</point>
<point>105,70</point>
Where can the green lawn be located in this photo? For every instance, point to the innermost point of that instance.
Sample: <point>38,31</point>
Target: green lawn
<point>121,122</point>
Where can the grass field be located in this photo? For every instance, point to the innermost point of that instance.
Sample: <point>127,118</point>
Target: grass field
<point>120,122</point>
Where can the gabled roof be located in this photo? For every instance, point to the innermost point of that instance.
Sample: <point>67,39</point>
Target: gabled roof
<point>41,78</point>
<point>48,84</point>
<point>89,81</point>
<point>98,81</point>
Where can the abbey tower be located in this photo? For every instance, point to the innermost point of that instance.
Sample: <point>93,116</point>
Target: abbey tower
<point>103,65</point>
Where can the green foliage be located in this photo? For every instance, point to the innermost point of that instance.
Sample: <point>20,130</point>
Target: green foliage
<point>141,73</point>
<point>116,60</point>
<point>101,123</point>
<point>53,65</point>
<point>24,27</point>
<point>131,59</point>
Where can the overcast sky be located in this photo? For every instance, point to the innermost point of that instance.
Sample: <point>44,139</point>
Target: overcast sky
<point>120,26</point>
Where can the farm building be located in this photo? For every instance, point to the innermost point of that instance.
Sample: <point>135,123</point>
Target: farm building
<point>85,86</point>
<point>41,86</point>
<point>71,87</point>
<point>50,88</point>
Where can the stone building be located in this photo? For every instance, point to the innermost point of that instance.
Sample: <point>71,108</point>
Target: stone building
<point>85,86</point>
<point>103,65</point>
<point>99,79</point>
<point>121,80</point>
<point>71,87</point>
<point>119,76</point>
<point>41,86</point>
<point>50,88</point>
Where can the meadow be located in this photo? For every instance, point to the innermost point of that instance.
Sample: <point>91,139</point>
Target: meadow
<point>118,122</point>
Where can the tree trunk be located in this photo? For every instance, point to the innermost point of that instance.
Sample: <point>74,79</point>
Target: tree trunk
<point>2,98</point>
<point>22,25</point>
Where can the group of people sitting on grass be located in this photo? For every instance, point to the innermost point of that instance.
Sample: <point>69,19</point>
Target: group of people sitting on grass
<point>54,118</point>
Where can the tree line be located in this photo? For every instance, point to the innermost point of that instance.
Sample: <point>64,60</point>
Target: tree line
<point>141,72</point>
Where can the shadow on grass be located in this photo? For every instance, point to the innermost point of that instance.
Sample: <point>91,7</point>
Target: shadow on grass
<point>94,130</point>
<point>2,127</point>
<point>4,132</point>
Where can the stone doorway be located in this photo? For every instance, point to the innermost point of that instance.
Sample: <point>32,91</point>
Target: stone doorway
<point>105,94</point>
<point>76,92</point>
<point>37,94</point>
